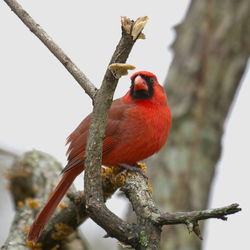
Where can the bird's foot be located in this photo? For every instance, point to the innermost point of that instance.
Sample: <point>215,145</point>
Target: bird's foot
<point>137,167</point>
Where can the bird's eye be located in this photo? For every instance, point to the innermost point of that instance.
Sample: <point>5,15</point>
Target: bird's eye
<point>151,79</point>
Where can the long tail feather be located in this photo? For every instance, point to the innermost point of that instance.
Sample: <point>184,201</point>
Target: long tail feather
<point>54,199</point>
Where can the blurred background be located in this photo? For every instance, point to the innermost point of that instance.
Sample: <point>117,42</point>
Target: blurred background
<point>205,73</point>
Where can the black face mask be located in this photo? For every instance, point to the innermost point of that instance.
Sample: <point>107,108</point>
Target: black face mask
<point>143,94</point>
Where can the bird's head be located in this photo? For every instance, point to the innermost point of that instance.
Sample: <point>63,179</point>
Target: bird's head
<point>142,85</point>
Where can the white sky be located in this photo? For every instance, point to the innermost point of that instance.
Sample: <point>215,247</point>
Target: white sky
<point>40,103</point>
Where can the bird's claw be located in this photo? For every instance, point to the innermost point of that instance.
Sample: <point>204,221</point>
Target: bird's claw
<point>135,167</point>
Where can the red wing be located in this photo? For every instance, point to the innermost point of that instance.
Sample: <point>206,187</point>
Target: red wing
<point>78,139</point>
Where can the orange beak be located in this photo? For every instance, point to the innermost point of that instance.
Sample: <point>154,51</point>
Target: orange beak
<point>140,84</point>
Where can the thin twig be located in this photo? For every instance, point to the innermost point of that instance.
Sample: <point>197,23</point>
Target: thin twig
<point>35,28</point>
<point>187,217</point>
<point>137,191</point>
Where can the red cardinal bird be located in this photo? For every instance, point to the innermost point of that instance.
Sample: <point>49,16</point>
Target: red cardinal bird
<point>137,127</point>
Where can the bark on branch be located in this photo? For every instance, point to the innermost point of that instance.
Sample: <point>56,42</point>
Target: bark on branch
<point>92,179</point>
<point>32,178</point>
<point>189,217</point>
<point>150,219</point>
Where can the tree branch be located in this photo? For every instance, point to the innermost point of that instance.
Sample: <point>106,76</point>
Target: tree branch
<point>94,197</point>
<point>150,219</point>
<point>32,178</point>
<point>194,216</point>
<point>74,213</point>
<point>137,191</point>
<point>35,28</point>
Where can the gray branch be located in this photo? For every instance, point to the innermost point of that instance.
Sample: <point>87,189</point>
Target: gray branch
<point>32,178</point>
<point>189,217</point>
<point>35,28</point>
<point>92,179</point>
<point>150,219</point>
